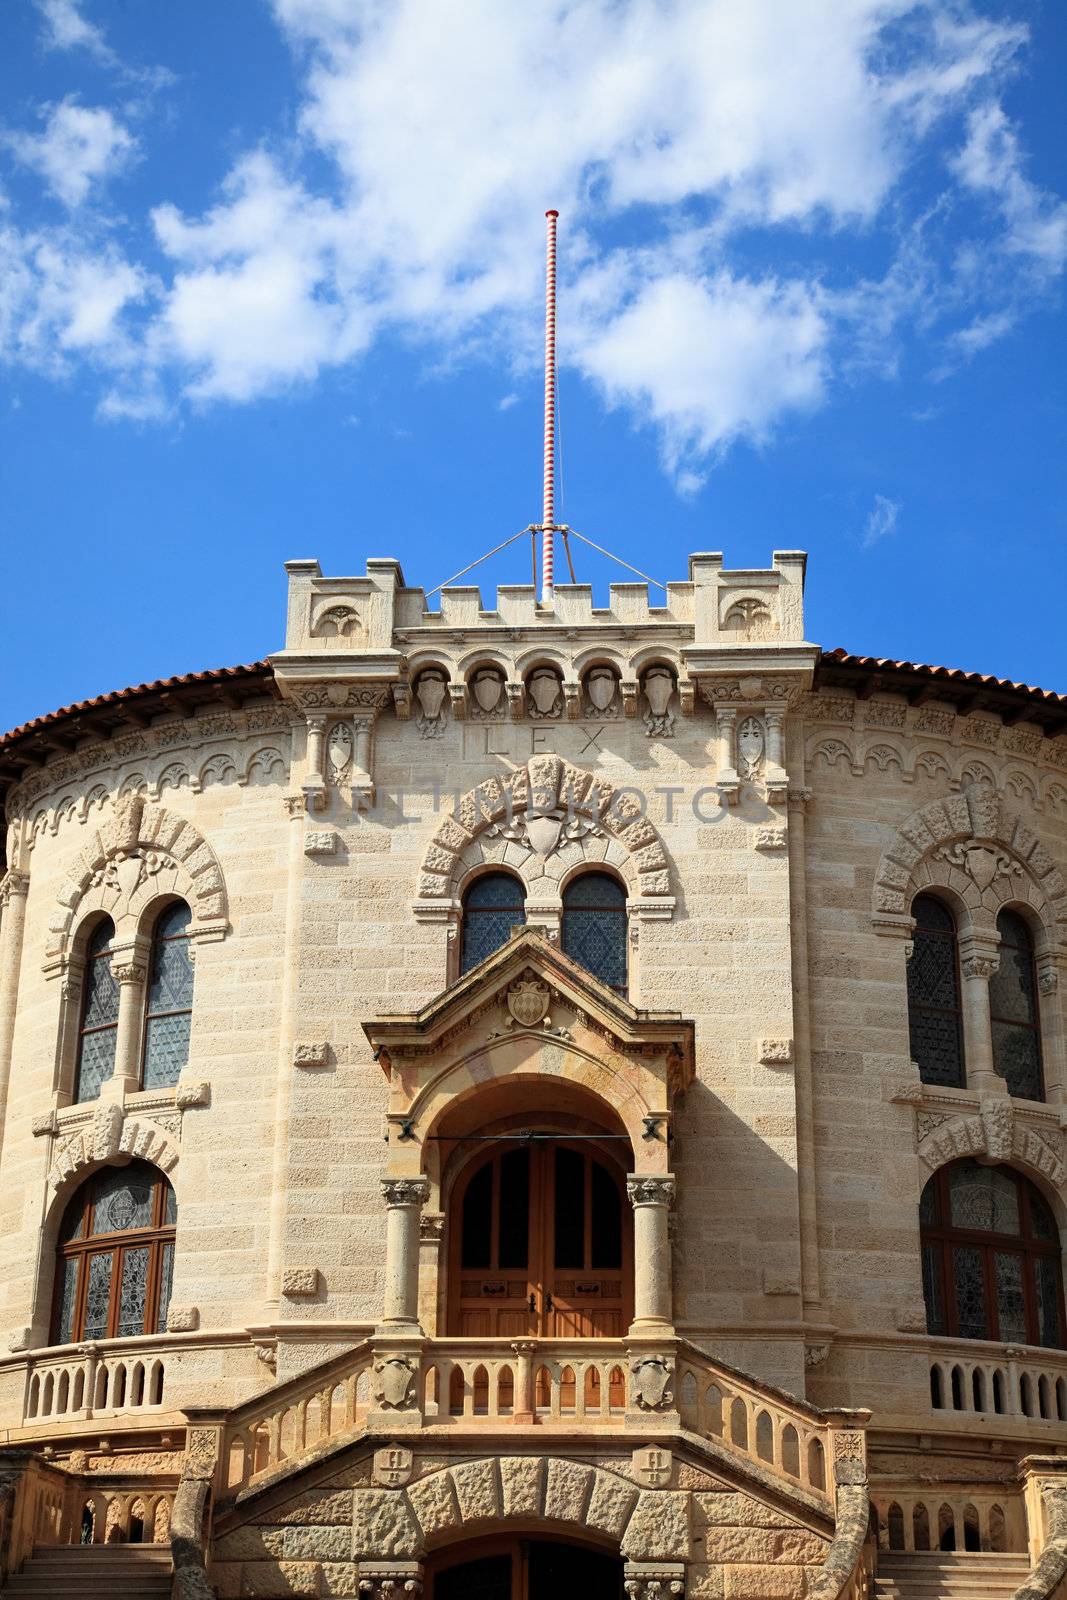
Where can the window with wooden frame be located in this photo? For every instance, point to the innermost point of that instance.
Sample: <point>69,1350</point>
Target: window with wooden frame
<point>98,1022</point>
<point>492,906</point>
<point>169,1002</point>
<point>115,1260</point>
<point>935,1016</point>
<point>1013,1011</point>
<point>594,926</point>
<point>991,1257</point>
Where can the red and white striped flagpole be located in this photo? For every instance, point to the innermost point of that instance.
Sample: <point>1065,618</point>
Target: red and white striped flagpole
<point>548,511</point>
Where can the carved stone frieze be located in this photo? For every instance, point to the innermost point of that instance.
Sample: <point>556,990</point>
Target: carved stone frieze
<point>300,1282</point>
<point>646,1580</point>
<point>321,842</point>
<point>311,1053</point>
<point>775,1052</point>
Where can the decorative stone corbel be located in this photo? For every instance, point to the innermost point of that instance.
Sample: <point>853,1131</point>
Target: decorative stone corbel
<point>308,1053</point>
<point>299,1283</point>
<point>402,701</point>
<point>320,842</point>
<point>572,701</point>
<point>398,1579</point>
<point>654,1580</point>
<point>190,1092</point>
<point>183,1319</point>
<point>775,1052</point>
<point>48,1123</point>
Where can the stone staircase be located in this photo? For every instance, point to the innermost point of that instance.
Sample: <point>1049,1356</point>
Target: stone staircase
<point>95,1572</point>
<point>946,1575</point>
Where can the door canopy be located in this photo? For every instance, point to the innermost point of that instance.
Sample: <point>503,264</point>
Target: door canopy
<point>524,1030</point>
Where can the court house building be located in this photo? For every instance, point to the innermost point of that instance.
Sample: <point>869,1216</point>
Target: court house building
<point>505,1100</point>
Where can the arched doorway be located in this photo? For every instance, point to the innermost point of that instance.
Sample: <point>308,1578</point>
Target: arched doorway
<point>540,1242</point>
<point>525,1569</point>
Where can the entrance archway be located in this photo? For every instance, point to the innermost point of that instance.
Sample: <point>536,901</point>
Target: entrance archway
<point>540,1242</point>
<point>524,1569</point>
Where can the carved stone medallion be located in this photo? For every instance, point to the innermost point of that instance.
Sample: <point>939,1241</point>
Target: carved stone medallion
<point>527,1001</point>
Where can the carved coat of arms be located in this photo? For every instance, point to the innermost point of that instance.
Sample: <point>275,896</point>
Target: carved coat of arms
<point>527,1001</point>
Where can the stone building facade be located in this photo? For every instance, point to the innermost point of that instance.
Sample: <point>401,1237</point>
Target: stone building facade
<point>549,1097</point>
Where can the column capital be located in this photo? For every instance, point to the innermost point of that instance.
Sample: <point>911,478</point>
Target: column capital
<point>14,884</point>
<point>405,1191</point>
<point>645,1189</point>
<point>979,955</point>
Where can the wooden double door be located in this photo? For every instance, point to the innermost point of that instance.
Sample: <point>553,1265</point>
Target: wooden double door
<point>526,1569</point>
<point>540,1244</point>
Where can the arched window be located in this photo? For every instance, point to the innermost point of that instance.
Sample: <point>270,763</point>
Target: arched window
<point>594,926</point>
<point>116,1256</point>
<point>99,1015</point>
<point>168,1012</point>
<point>491,908</point>
<point>1013,1010</point>
<point>991,1257</point>
<point>934,1015</point>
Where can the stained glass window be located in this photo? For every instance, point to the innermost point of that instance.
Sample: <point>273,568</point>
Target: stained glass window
<point>170,999</point>
<point>491,908</point>
<point>991,1257</point>
<point>100,1016</point>
<point>934,1014</point>
<point>1013,1010</point>
<point>594,926</point>
<point>116,1256</point>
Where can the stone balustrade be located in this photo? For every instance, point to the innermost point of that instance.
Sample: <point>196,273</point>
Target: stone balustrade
<point>83,1381</point>
<point>548,1381</point>
<point>998,1380</point>
<point>947,1517</point>
<point>780,1433</point>
<point>294,1418</point>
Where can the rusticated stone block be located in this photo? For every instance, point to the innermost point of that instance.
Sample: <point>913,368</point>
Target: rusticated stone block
<point>339,1578</point>
<point>659,1527</point>
<point>251,1544</point>
<point>322,1509</point>
<point>477,1490</point>
<point>765,1583</point>
<point>274,1579</point>
<point>522,1479</point>
<point>610,1505</point>
<point>568,1491</point>
<point>317,1544</point>
<point>382,1525</point>
<point>433,1501</point>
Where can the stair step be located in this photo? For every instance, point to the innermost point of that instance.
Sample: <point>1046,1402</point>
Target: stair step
<point>95,1572</point>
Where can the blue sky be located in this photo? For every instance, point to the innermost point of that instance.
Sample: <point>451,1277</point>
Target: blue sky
<point>270,286</point>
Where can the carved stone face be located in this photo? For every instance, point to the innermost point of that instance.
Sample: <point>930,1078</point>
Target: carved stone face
<point>659,686</point>
<point>488,686</point>
<point>543,689</point>
<point>600,687</point>
<point>430,692</point>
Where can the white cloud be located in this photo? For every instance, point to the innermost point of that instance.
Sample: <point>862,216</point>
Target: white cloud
<point>439,134</point>
<point>59,300</point>
<point>66,29</point>
<point>992,163</point>
<point>713,361</point>
<point>79,146</point>
<point>881,521</point>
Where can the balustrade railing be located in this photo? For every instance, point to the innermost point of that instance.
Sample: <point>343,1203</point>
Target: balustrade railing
<point>1012,1382</point>
<point>948,1518</point>
<point>776,1431</point>
<point>552,1383</point>
<point>293,1419</point>
<point>82,1381</point>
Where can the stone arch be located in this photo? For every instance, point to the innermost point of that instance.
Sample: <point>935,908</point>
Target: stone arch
<point>996,1133</point>
<point>108,1134</point>
<point>603,1079</point>
<point>143,852</point>
<point>969,843</point>
<point>585,1501</point>
<point>594,822</point>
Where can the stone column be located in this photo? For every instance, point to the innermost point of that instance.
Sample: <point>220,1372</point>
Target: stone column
<point>726,724</point>
<point>314,785</point>
<point>14,887</point>
<point>774,718</point>
<point>979,959</point>
<point>651,1198</point>
<point>404,1199</point>
<point>129,968</point>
